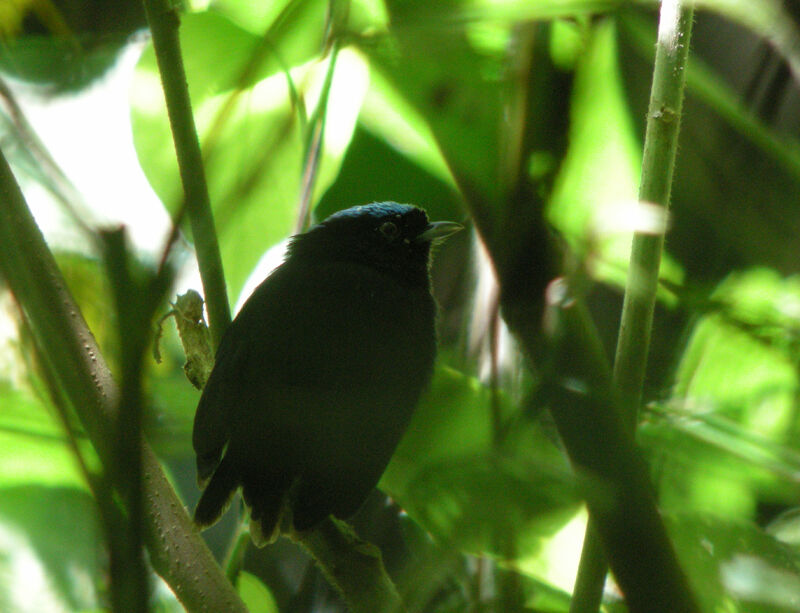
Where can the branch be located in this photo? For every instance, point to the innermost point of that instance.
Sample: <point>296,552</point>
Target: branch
<point>353,566</point>
<point>661,142</point>
<point>177,552</point>
<point>618,492</point>
<point>164,22</point>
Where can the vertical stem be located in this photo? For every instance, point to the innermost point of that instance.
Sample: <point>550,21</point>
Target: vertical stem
<point>661,143</point>
<point>352,566</point>
<point>164,22</point>
<point>658,163</point>
<point>619,491</point>
<point>592,570</point>
<point>133,323</point>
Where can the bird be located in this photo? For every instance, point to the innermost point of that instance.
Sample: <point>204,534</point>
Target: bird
<point>317,377</point>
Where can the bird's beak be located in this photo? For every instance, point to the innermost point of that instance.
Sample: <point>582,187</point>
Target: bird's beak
<point>438,230</point>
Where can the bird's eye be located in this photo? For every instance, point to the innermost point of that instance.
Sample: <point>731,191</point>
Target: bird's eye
<point>389,229</point>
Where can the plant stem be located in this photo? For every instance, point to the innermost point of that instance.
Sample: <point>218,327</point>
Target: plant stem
<point>619,496</point>
<point>592,570</point>
<point>661,143</point>
<point>134,312</point>
<point>658,163</point>
<point>164,22</point>
<point>353,566</point>
<point>176,550</point>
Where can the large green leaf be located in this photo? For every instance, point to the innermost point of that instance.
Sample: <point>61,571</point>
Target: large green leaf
<point>741,358</point>
<point>459,95</point>
<point>376,168</point>
<point>253,140</point>
<point>594,200</point>
<point>294,28</point>
<point>450,478</point>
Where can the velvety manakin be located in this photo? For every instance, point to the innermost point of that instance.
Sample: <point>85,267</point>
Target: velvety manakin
<point>316,379</point>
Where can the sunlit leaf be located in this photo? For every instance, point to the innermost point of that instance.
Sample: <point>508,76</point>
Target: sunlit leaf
<point>483,505</point>
<point>447,477</point>
<point>733,405</point>
<point>374,169</point>
<point>594,200</point>
<point>737,360</point>
<point>85,279</point>
<point>388,115</point>
<point>50,556</point>
<point>461,103</point>
<point>285,22</point>
<point>32,444</point>
<point>252,136</point>
<point>736,566</point>
<point>786,527</point>
<point>712,464</point>
<point>255,594</point>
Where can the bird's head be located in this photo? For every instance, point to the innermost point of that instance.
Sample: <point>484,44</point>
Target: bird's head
<point>393,238</point>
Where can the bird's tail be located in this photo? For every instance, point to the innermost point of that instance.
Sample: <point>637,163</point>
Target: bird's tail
<point>217,496</point>
<point>266,500</point>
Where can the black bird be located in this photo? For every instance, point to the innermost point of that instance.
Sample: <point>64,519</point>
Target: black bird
<point>317,377</point>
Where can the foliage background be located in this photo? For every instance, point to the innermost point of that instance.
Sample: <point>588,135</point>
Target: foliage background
<point>492,520</point>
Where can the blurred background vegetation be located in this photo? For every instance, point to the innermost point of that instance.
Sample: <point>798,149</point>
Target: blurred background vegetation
<point>478,510</point>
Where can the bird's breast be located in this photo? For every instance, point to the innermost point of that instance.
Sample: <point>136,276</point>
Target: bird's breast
<point>344,327</point>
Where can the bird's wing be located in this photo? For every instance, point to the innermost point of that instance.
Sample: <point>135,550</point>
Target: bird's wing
<point>211,430</point>
<point>247,351</point>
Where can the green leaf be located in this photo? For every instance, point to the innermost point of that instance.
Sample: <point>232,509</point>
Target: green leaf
<point>379,169</point>
<point>786,527</point>
<point>252,137</point>
<point>738,360</point>
<point>389,116</point>
<point>452,420</point>
<point>728,430</point>
<point>460,104</point>
<point>448,477</point>
<point>63,65</point>
<point>710,464</point>
<point>255,594</point>
<point>287,23</point>
<point>480,504</point>
<point>85,277</point>
<point>736,566</point>
<point>594,202</point>
<point>32,444</point>
<point>49,543</point>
